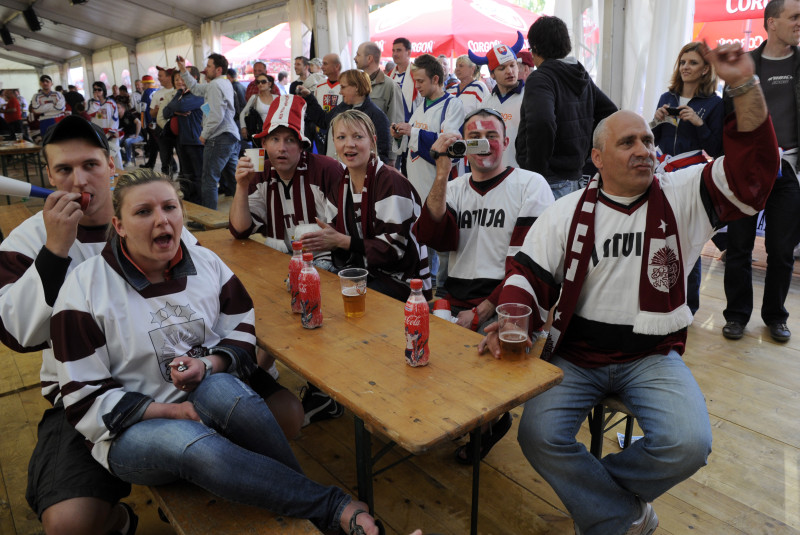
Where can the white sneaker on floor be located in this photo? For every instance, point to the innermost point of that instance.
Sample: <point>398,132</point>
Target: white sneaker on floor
<point>273,371</point>
<point>647,522</point>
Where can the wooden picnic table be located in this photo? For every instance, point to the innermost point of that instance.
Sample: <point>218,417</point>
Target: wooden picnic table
<point>360,363</point>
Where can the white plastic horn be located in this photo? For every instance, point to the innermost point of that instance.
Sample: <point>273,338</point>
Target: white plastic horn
<point>18,188</point>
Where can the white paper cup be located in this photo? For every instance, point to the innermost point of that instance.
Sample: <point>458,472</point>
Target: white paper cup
<point>302,230</point>
<point>257,157</point>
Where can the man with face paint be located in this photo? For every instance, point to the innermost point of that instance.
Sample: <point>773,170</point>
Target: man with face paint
<point>483,214</point>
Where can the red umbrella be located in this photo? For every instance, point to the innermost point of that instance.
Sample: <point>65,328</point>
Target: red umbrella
<point>449,27</point>
<point>226,44</point>
<point>274,43</point>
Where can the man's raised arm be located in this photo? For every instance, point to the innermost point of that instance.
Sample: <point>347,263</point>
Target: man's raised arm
<point>737,70</point>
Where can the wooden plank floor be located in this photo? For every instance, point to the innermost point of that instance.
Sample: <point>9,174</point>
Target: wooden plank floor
<point>750,486</point>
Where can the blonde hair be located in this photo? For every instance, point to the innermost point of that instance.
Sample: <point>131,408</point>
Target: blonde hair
<point>138,177</point>
<point>476,69</point>
<point>359,79</point>
<point>357,120</point>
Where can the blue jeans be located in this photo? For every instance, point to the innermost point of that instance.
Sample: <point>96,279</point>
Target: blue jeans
<point>781,235</point>
<point>565,187</point>
<point>601,495</point>
<point>127,149</point>
<point>220,156</point>
<point>238,452</point>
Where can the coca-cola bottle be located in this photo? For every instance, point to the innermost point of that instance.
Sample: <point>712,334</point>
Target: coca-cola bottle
<point>310,297</point>
<point>417,328</point>
<point>295,266</point>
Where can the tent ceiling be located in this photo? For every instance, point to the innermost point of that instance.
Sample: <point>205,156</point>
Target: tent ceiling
<point>69,30</point>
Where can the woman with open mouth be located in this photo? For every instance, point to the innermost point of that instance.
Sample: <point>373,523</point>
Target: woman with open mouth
<point>152,339</point>
<point>375,207</point>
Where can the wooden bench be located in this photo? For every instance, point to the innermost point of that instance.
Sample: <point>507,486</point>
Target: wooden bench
<point>11,216</point>
<point>193,511</point>
<point>210,219</point>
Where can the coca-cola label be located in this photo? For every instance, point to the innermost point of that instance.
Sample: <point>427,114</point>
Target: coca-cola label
<point>417,333</point>
<point>310,299</point>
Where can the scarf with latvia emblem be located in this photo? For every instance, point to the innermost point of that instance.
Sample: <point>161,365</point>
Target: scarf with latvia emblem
<point>662,297</point>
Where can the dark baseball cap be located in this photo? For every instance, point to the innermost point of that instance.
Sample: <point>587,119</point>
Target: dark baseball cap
<point>75,127</point>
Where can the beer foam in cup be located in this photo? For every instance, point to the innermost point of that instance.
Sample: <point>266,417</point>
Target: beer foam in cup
<point>257,157</point>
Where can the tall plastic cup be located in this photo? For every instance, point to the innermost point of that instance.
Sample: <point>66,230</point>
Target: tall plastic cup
<point>354,291</point>
<point>513,320</point>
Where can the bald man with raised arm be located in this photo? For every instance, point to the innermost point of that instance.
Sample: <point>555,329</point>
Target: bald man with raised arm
<point>613,260</point>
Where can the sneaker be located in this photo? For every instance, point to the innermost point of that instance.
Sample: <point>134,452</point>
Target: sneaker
<point>779,332</point>
<point>647,522</point>
<point>318,406</point>
<point>733,330</point>
<point>273,371</point>
<point>645,525</point>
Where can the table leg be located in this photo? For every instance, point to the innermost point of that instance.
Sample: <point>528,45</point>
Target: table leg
<point>25,165</point>
<point>364,464</point>
<point>475,440</point>
<point>39,169</point>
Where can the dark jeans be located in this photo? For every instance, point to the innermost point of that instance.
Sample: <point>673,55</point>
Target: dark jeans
<point>782,234</point>
<point>693,287</point>
<point>151,148</point>
<point>191,158</point>
<point>166,147</point>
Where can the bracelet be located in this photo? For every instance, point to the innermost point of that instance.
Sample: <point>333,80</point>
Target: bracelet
<point>740,90</point>
<point>475,319</point>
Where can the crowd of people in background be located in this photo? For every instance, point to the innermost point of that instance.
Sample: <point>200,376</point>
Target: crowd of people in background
<point>525,186</point>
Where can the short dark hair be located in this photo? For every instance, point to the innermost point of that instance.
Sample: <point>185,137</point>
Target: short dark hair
<point>304,59</point>
<point>548,38</point>
<point>220,61</point>
<point>195,72</point>
<point>123,87</point>
<point>44,77</point>
<point>371,49</point>
<point>431,66</point>
<point>282,75</point>
<point>402,41</point>
<point>232,73</point>
<point>772,10</point>
<point>71,87</point>
<point>59,88</point>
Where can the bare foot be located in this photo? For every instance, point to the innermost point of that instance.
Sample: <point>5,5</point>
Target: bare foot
<point>364,520</point>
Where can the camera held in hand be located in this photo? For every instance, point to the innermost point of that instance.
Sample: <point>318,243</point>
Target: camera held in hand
<point>462,147</point>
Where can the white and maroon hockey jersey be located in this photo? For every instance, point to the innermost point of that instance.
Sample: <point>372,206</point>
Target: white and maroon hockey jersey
<point>483,228</point>
<point>114,335</point>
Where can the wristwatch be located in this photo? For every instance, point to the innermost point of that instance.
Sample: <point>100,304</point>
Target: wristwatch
<point>740,90</point>
<point>209,366</point>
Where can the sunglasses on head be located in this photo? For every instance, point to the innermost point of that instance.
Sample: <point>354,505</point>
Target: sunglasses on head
<point>490,111</point>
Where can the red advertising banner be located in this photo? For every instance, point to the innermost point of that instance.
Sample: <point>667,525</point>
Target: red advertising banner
<point>719,10</point>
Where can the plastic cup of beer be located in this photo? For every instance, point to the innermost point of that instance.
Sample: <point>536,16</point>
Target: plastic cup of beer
<point>19,139</point>
<point>512,320</point>
<point>257,157</point>
<point>354,291</point>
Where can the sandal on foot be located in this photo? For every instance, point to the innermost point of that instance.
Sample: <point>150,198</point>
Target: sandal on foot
<point>489,438</point>
<point>355,529</point>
